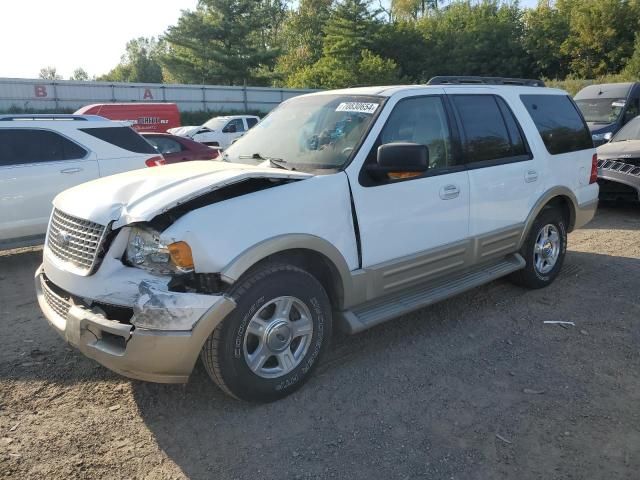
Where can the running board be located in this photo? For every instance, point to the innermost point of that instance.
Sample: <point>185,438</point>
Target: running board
<point>414,298</point>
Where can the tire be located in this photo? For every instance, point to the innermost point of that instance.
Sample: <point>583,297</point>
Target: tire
<point>540,271</point>
<point>254,354</point>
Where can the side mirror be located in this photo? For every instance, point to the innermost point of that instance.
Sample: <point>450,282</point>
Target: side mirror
<point>402,158</point>
<point>231,128</point>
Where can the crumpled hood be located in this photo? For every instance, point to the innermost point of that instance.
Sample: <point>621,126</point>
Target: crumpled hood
<point>186,131</point>
<point>140,195</point>
<point>628,149</point>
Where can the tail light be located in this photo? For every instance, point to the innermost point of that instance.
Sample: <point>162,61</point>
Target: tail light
<point>155,161</point>
<point>593,178</point>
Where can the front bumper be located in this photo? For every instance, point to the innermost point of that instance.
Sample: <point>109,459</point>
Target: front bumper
<point>617,170</point>
<point>166,356</point>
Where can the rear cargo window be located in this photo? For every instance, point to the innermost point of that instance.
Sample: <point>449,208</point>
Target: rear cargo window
<point>24,146</point>
<point>559,122</point>
<point>123,137</point>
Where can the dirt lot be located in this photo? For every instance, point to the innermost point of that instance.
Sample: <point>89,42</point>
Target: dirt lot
<point>475,388</point>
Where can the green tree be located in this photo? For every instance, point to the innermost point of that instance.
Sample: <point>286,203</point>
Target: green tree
<point>49,73</point>
<point>302,35</point>
<point>79,74</point>
<point>546,29</point>
<point>350,30</point>
<point>224,41</point>
<point>475,39</point>
<point>601,35</point>
<point>403,42</point>
<point>329,72</point>
<point>140,63</point>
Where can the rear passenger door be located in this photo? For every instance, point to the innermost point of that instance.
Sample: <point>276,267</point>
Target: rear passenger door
<point>504,180</point>
<point>36,165</point>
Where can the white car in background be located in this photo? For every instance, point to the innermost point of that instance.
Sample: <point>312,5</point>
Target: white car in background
<point>218,131</point>
<point>42,155</point>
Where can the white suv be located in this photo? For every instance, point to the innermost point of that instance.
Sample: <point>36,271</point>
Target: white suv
<point>218,131</point>
<point>42,155</point>
<point>366,204</point>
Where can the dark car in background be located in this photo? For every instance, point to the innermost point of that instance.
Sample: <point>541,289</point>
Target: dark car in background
<point>176,149</point>
<point>619,164</point>
<point>608,107</point>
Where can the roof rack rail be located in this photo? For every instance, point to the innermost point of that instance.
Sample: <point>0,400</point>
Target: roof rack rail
<point>472,80</point>
<point>54,116</point>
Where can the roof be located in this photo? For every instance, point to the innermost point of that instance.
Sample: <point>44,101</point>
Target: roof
<point>390,90</point>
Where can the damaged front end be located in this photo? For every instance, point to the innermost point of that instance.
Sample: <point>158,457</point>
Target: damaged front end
<point>137,323</point>
<point>116,287</point>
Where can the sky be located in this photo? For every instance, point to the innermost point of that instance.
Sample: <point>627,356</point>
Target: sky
<point>68,34</point>
<point>91,34</point>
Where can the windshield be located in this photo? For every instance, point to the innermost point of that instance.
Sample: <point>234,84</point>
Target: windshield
<point>631,131</point>
<point>601,110</point>
<point>308,133</point>
<point>215,123</point>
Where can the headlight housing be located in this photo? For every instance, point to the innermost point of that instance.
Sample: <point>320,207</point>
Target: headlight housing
<point>146,250</point>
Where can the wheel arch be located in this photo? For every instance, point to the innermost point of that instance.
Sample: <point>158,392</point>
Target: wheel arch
<point>311,253</point>
<point>559,197</point>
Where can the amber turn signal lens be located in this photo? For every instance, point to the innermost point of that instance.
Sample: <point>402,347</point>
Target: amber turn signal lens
<point>181,255</point>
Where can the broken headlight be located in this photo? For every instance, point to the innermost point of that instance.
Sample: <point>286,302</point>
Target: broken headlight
<point>147,250</point>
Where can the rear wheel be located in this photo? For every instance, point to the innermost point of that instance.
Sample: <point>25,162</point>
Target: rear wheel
<point>543,250</point>
<point>269,345</point>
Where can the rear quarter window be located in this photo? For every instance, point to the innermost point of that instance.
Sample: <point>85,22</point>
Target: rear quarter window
<point>122,137</point>
<point>559,122</point>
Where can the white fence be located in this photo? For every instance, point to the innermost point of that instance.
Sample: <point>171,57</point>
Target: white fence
<point>67,94</point>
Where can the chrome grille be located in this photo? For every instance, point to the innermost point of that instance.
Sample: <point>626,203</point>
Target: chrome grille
<point>58,304</point>
<point>618,166</point>
<point>75,240</point>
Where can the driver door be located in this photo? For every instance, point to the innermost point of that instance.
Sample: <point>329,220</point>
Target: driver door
<point>414,228</point>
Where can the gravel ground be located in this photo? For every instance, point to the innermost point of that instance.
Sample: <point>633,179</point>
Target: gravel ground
<point>477,387</point>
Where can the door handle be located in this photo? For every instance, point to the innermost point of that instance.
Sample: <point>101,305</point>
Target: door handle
<point>71,170</point>
<point>449,191</point>
<point>530,176</point>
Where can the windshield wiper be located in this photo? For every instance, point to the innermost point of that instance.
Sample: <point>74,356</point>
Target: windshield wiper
<point>276,162</point>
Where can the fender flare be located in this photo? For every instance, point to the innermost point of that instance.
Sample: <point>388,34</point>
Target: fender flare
<point>542,202</point>
<point>244,261</point>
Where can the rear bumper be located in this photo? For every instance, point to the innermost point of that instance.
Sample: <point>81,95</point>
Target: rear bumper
<point>620,172</point>
<point>145,354</point>
<point>585,213</point>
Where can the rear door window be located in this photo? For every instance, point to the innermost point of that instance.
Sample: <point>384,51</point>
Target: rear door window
<point>251,122</point>
<point>559,122</point>
<point>490,130</point>
<point>122,137</point>
<point>24,146</point>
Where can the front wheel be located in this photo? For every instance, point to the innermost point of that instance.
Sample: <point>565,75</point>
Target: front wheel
<point>269,345</point>
<point>544,250</point>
